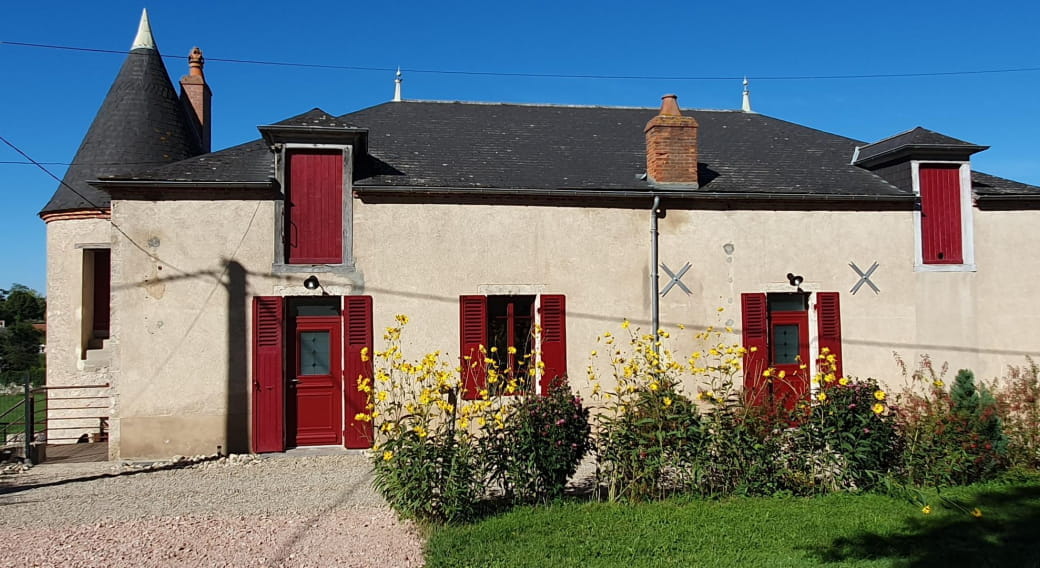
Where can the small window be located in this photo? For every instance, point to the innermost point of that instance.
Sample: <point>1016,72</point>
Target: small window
<point>313,229</point>
<point>96,298</point>
<point>491,325</point>
<point>941,218</point>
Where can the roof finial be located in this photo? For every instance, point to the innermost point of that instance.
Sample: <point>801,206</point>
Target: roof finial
<point>397,86</point>
<point>144,39</point>
<point>746,104</point>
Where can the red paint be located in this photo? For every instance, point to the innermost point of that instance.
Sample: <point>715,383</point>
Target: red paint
<point>941,214</point>
<point>828,319</point>
<point>314,218</point>
<point>316,418</point>
<point>553,311</point>
<point>268,375</point>
<point>357,335</point>
<point>473,326</point>
<point>793,386</point>
<point>755,328</point>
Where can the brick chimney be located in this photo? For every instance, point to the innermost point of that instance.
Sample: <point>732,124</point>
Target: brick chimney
<point>195,95</point>
<point>671,147</point>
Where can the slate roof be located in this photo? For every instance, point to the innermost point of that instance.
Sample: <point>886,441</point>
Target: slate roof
<point>919,139</point>
<point>141,124</point>
<point>461,147</point>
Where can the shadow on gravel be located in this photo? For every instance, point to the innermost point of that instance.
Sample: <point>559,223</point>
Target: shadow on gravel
<point>12,486</point>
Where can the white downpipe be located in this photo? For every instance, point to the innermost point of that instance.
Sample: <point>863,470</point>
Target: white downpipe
<point>655,306</point>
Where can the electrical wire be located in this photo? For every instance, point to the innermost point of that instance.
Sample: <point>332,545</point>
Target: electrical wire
<point>555,75</point>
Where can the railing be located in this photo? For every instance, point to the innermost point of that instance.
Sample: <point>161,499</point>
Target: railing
<point>32,425</point>
<point>95,423</point>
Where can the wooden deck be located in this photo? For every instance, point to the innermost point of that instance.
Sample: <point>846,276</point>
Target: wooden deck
<point>76,453</point>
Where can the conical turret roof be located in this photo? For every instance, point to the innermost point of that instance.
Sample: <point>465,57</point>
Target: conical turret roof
<point>141,124</point>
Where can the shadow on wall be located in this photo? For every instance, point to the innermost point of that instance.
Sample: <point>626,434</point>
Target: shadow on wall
<point>237,426</point>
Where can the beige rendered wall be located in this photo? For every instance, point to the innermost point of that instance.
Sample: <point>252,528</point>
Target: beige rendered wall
<point>66,316</point>
<point>181,306</point>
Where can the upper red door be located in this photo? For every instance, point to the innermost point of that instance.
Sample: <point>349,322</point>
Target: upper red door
<point>314,228</point>
<point>316,383</point>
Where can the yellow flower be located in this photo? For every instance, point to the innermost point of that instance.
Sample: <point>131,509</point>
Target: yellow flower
<point>767,373</point>
<point>825,350</point>
<point>843,381</point>
<point>511,350</point>
<point>364,353</point>
<point>822,396</point>
<point>362,417</point>
<point>593,353</point>
<point>927,509</point>
<point>624,324</point>
<point>388,455</point>
<point>782,374</point>
<point>753,349</point>
<point>381,396</point>
<point>880,395</point>
<point>720,309</point>
<point>878,408</point>
<point>401,319</point>
<point>977,513</point>
<point>668,402</point>
<point>420,431</point>
<point>938,384</point>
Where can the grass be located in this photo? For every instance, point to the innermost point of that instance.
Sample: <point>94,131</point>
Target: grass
<point>833,530</point>
<point>16,418</point>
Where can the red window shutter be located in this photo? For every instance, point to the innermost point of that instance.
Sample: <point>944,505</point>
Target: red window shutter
<point>473,327</point>
<point>314,219</point>
<point>554,341</point>
<point>102,291</point>
<point>357,335</point>
<point>755,323</point>
<point>828,320</point>
<point>941,215</point>
<point>268,374</point>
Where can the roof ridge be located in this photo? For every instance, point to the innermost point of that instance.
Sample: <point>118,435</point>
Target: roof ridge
<point>554,105</point>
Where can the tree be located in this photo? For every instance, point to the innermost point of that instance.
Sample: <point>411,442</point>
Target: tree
<point>20,347</point>
<point>22,304</point>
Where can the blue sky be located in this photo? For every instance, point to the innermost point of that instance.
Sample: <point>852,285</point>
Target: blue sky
<point>48,97</point>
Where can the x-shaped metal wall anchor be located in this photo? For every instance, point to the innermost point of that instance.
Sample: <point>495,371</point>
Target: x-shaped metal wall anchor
<point>864,277</point>
<point>676,279</point>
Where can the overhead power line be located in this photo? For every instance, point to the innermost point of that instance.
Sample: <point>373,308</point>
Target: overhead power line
<point>556,75</point>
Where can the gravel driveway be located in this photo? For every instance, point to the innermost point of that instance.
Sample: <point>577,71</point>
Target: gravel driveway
<point>275,511</point>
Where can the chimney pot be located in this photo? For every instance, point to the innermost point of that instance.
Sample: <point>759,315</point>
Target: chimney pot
<point>195,62</point>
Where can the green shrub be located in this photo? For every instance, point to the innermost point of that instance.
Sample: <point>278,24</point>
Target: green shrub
<point>544,440</point>
<point>1017,399</point>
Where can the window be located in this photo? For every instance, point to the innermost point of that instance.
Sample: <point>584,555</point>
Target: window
<point>776,336</point>
<point>491,325</point>
<point>943,231</point>
<point>96,300</point>
<point>314,207</point>
<point>941,214</point>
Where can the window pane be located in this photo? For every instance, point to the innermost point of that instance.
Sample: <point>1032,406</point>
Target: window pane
<point>314,352</point>
<point>787,302</point>
<point>785,344</point>
<point>321,306</point>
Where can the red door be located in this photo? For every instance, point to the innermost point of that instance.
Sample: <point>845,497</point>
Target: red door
<point>315,393</point>
<point>789,350</point>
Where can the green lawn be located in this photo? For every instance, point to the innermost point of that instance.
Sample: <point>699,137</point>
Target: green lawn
<point>834,530</point>
<point>18,416</point>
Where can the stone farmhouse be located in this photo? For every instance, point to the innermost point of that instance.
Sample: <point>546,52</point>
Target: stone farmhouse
<point>225,295</point>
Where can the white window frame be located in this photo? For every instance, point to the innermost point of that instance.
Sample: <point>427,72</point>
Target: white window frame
<point>967,218</point>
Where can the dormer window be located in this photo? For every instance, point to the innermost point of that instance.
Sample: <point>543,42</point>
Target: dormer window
<point>314,155</point>
<point>936,168</point>
<point>313,230</point>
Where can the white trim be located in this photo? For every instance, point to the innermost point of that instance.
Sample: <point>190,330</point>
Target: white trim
<point>967,220</point>
<point>510,289</point>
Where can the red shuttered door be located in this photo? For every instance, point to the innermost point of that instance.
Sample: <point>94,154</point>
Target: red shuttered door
<point>941,214</point>
<point>268,374</point>
<point>554,341</point>
<point>828,319</point>
<point>755,323</point>
<point>357,326</point>
<point>314,222</point>
<point>473,326</point>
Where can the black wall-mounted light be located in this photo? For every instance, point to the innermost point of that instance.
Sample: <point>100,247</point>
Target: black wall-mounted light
<point>311,283</point>
<point>793,278</point>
